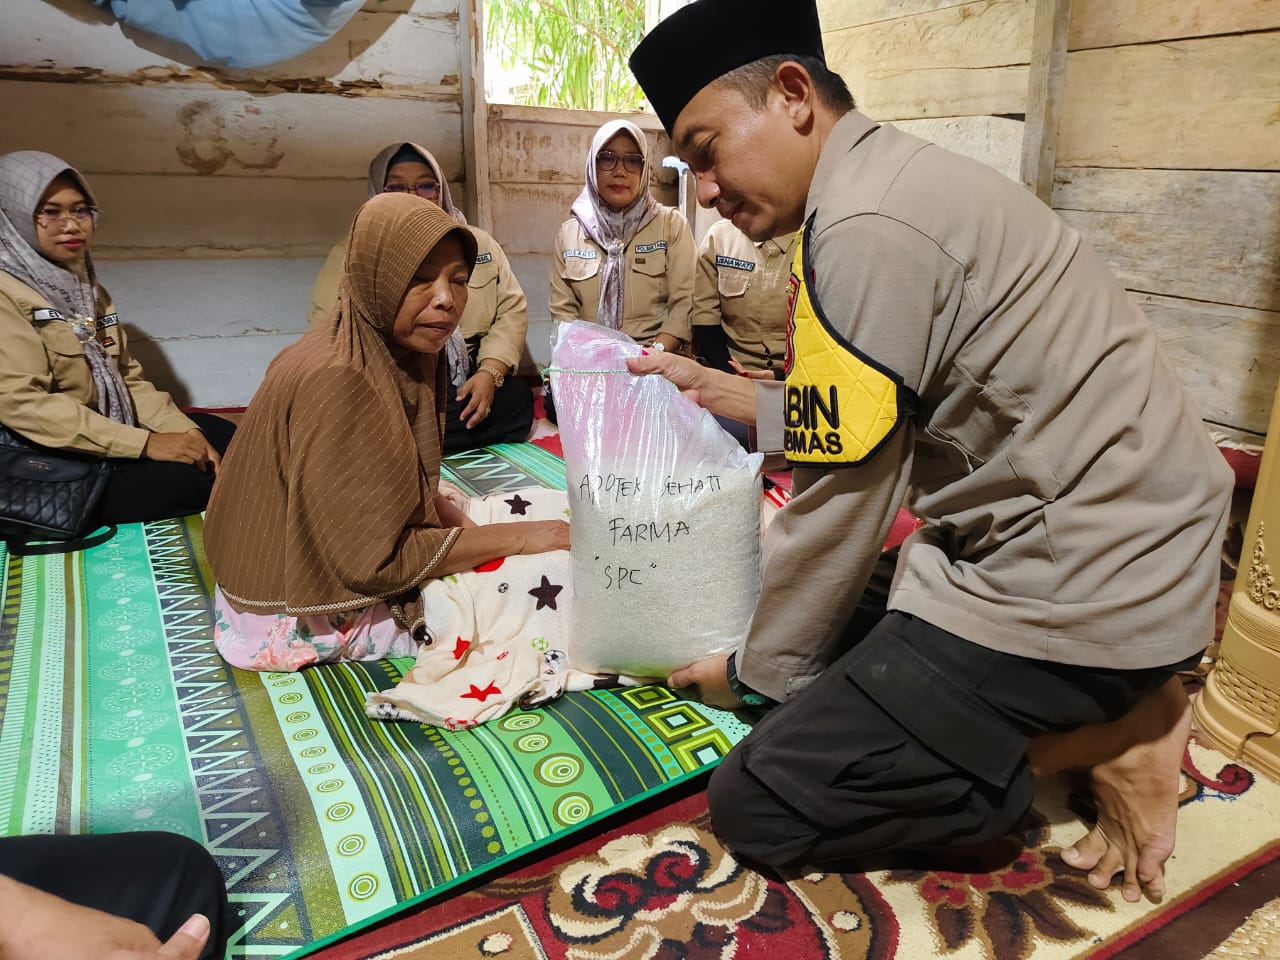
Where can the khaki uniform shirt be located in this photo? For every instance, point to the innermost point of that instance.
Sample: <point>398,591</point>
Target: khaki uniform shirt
<point>742,286</point>
<point>47,392</point>
<point>657,288</point>
<point>1074,506</point>
<point>496,316</point>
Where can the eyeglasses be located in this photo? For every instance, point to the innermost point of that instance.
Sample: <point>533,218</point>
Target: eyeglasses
<point>428,189</point>
<point>632,162</point>
<point>55,216</point>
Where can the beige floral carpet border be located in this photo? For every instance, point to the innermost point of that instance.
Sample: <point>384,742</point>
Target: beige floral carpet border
<point>662,888</point>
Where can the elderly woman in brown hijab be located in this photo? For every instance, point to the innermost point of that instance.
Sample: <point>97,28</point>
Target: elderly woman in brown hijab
<point>327,517</point>
<point>485,404</point>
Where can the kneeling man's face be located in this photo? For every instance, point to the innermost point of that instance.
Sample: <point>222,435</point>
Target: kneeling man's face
<point>749,162</point>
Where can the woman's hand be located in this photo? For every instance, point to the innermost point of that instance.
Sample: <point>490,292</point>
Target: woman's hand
<point>478,391</point>
<point>711,676</point>
<point>478,544</point>
<point>742,371</point>
<point>543,536</point>
<point>213,458</point>
<point>452,493</point>
<point>191,447</point>
<point>669,343</point>
<point>451,514</point>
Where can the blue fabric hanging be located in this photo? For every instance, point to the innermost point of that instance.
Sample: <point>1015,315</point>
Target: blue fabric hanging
<point>238,33</point>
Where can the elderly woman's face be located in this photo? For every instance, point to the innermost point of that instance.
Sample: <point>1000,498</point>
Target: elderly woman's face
<point>433,304</point>
<point>64,223</point>
<point>620,186</point>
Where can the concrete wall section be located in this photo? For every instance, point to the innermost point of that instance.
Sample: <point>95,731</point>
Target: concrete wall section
<point>206,329</point>
<point>249,174</point>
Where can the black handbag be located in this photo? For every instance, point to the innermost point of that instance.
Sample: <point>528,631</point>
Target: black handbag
<point>48,494</point>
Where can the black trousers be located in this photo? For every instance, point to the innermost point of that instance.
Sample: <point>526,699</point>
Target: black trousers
<point>156,489</point>
<point>509,420</point>
<point>155,879</point>
<point>913,739</point>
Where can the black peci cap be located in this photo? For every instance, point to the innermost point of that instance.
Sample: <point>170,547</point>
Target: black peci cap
<point>705,40</point>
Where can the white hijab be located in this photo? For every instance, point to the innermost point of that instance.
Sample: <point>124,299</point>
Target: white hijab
<point>613,230</point>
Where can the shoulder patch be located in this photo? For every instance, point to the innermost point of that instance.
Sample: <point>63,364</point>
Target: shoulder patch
<point>841,406</point>
<point>579,255</point>
<point>45,314</point>
<point>651,247</point>
<point>484,258</point>
<point>110,320</point>
<point>733,263</point>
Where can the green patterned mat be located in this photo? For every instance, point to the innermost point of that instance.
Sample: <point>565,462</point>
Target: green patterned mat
<point>116,714</point>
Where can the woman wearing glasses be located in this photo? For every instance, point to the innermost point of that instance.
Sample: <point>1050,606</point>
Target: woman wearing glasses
<point>67,378</point>
<point>622,259</point>
<point>484,406</point>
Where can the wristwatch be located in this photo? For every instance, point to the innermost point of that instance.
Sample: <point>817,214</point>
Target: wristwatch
<point>740,690</point>
<point>498,378</point>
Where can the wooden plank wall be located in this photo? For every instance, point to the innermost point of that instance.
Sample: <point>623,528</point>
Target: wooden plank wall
<point>1167,150</point>
<point>951,71</point>
<point>228,167</point>
<point>1169,162</point>
<point>536,169</point>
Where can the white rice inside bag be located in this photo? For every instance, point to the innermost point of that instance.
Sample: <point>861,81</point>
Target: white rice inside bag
<point>664,514</point>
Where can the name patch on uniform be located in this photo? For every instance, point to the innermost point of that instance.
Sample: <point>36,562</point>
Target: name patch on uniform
<point>651,247</point>
<point>44,314</point>
<point>484,258</point>
<point>735,264</point>
<point>110,320</point>
<point>579,255</point>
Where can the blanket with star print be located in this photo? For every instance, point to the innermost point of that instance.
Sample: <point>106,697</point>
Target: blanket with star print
<point>498,635</point>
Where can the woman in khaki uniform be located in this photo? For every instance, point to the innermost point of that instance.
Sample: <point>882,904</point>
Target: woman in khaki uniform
<point>622,259</point>
<point>740,300</point>
<point>67,378</point>
<point>483,405</point>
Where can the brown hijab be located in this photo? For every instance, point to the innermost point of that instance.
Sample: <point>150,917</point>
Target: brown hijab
<point>325,502</point>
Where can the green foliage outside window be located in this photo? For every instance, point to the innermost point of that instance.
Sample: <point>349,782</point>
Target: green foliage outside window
<point>574,52</point>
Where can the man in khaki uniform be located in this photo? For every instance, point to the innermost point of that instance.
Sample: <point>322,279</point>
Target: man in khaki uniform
<point>740,300</point>
<point>954,345</point>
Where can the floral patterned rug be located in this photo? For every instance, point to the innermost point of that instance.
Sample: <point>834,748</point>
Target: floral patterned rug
<point>660,886</point>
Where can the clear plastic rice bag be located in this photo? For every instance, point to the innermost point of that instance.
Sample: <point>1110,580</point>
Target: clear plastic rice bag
<point>664,513</point>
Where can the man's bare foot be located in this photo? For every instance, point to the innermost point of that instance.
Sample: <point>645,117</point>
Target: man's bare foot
<point>1137,796</point>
